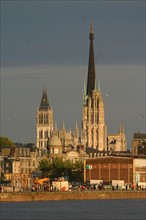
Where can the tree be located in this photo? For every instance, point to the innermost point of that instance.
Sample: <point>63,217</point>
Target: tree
<point>78,171</point>
<point>45,166</point>
<point>4,141</point>
<point>60,168</point>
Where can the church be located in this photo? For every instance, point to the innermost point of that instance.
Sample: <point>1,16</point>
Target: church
<point>93,140</point>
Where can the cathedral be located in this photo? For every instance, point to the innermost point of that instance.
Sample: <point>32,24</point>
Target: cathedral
<point>93,123</point>
<point>93,140</point>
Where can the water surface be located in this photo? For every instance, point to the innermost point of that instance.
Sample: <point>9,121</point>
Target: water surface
<point>126,209</point>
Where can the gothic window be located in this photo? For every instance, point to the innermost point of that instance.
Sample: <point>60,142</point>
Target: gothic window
<point>45,118</point>
<point>40,134</point>
<point>41,119</point>
<point>45,143</point>
<point>46,134</point>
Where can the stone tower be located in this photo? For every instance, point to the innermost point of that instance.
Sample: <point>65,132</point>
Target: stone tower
<point>44,122</point>
<point>93,125</point>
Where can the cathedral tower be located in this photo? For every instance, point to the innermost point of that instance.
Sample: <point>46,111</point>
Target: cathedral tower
<point>44,122</point>
<point>93,124</point>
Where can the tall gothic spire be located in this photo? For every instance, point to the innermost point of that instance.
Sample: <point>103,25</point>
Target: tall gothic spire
<point>91,65</point>
<point>63,125</point>
<point>44,105</point>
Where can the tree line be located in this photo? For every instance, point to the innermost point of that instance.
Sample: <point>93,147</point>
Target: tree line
<point>58,168</point>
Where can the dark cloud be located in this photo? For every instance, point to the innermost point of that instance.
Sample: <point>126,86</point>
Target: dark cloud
<point>48,43</point>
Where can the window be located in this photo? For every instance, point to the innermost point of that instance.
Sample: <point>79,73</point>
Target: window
<point>41,119</point>
<point>45,119</point>
<point>46,134</point>
<point>40,134</point>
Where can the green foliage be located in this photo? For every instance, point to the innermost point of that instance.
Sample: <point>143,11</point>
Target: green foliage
<point>4,141</point>
<point>45,166</point>
<point>60,168</point>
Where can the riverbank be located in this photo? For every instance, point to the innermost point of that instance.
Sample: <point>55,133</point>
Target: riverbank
<point>75,195</point>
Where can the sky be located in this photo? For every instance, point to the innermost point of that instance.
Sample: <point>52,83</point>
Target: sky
<point>46,43</point>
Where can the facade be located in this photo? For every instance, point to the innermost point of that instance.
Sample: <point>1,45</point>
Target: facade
<point>93,134</point>
<point>130,170</point>
<point>66,152</point>
<point>139,171</point>
<point>139,144</point>
<point>117,142</point>
<point>110,168</point>
<point>44,122</point>
<point>19,162</point>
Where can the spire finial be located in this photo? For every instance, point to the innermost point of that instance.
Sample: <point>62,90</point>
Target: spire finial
<point>91,28</point>
<point>56,126</point>
<point>99,86</point>
<point>121,128</point>
<point>76,125</point>
<point>63,125</point>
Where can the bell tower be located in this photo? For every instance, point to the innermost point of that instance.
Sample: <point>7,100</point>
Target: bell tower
<point>44,122</point>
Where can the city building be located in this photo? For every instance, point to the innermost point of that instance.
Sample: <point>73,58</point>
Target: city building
<point>130,170</point>
<point>139,144</point>
<point>117,142</point>
<point>18,163</point>
<point>93,135</point>
<point>66,152</point>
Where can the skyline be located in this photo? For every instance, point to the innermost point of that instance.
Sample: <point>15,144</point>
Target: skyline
<point>38,48</point>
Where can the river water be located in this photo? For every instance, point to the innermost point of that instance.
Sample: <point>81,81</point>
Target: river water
<point>124,209</point>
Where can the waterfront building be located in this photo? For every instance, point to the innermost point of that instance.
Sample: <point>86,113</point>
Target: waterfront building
<point>130,170</point>
<point>139,144</point>
<point>29,157</point>
<point>19,162</point>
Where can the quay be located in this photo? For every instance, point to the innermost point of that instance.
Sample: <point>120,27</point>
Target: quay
<point>74,195</point>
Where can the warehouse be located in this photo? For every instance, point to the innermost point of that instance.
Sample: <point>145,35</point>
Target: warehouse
<point>107,169</point>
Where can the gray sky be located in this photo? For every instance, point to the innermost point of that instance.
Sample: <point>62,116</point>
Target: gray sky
<point>47,43</point>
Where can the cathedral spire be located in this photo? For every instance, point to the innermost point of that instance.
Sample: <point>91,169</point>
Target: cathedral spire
<point>76,125</point>
<point>121,128</point>
<point>99,86</point>
<point>91,65</point>
<point>44,105</point>
<point>63,125</point>
<point>84,94</point>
